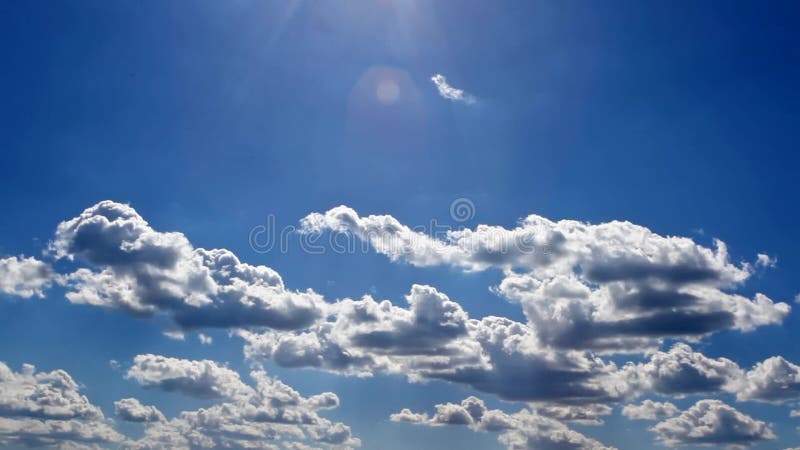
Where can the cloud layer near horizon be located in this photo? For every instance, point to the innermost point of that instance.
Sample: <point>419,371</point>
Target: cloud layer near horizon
<point>588,292</point>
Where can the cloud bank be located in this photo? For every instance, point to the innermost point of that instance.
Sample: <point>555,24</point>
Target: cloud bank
<point>46,408</point>
<point>265,415</point>
<point>591,294</point>
<point>611,287</point>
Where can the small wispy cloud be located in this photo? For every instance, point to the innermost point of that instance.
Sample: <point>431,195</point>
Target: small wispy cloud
<point>449,92</point>
<point>175,335</point>
<point>205,340</point>
<point>765,260</point>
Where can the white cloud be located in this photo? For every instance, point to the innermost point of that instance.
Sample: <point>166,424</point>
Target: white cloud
<point>521,430</point>
<point>175,335</point>
<point>131,410</point>
<point>586,291</point>
<point>583,414</point>
<point>29,432</point>
<point>205,340</point>
<point>408,416</point>
<point>268,413</point>
<point>680,372</point>
<point>765,260</point>
<point>449,92</point>
<point>46,395</point>
<point>47,408</point>
<point>611,287</point>
<point>772,380</point>
<point>202,379</point>
<point>434,338</point>
<point>145,272</point>
<point>25,277</point>
<point>650,410</point>
<point>712,423</point>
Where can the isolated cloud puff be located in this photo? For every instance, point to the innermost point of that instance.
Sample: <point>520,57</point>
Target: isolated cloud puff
<point>449,92</point>
<point>764,260</point>
<point>712,423</point>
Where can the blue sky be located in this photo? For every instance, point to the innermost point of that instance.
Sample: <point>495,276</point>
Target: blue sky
<point>679,117</point>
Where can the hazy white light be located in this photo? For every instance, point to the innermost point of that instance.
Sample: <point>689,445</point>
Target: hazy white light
<point>388,90</point>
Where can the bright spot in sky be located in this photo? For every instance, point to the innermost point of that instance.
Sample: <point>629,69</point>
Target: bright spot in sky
<point>387,91</point>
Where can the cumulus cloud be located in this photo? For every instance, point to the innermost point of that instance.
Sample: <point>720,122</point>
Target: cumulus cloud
<point>772,380</point>
<point>366,335</point>
<point>144,271</point>
<point>606,252</point>
<point>650,410</point>
<point>47,409</point>
<point>201,379</point>
<point>408,416</point>
<point>521,430</point>
<point>586,291</point>
<point>43,395</point>
<point>449,92</point>
<point>712,423</point>
<point>680,372</point>
<point>613,287</point>
<point>583,414</point>
<point>25,277</point>
<point>260,416</point>
<point>131,410</point>
<point>205,340</point>
<point>434,338</point>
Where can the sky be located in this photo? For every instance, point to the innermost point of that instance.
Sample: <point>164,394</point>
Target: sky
<point>398,224</point>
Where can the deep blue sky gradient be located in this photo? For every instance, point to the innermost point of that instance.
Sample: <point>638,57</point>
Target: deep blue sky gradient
<point>208,116</point>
